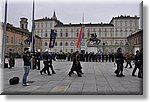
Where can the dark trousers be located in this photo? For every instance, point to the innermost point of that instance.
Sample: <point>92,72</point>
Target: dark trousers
<point>137,66</point>
<point>51,66</point>
<point>119,70</point>
<point>128,63</point>
<point>46,68</point>
<point>77,71</point>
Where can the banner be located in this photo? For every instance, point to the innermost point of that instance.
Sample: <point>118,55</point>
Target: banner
<point>80,37</point>
<point>52,38</point>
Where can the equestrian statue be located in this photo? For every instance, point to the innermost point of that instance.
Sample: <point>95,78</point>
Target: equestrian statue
<point>93,39</point>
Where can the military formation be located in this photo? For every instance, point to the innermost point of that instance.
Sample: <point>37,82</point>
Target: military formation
<point>48,57</point>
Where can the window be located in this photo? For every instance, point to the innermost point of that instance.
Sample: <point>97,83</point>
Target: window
<point>60,34</point>
<point>12,40</point>
<point>22,26</point>
<point>71,50</point>
<point>45,44</point>
<point>45,34</point>
<point>82,44</point>
<point>66,34</point>
<point>71,44</point>
<point>60,43</point>
<point>66,44</point>
<point>55,43</point>
<point>77,34</point>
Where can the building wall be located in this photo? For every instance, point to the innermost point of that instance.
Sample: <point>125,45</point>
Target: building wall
<point>15,41</point>
<point>135,41</point>
<point>113,36</point>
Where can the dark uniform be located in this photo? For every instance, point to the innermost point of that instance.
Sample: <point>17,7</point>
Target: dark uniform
<point>76,65</point>
<point>50,58</point>
<point>140,75</point>
<point>119,61</point>
<point>11,59</point>
<point>46,63</point>
<point>137,63</point>
<point>38,58</point>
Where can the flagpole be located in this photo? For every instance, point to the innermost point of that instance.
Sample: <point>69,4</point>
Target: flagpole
<point>33,36</point>
<point>4,37</point>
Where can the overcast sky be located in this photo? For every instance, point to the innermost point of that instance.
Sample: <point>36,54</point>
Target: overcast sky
<point>95,11</point>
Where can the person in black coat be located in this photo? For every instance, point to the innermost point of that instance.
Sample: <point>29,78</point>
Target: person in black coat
<point>76,66</point>
<point>119,61</point>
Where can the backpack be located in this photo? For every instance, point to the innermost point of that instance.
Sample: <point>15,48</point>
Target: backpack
<point>14,80</point>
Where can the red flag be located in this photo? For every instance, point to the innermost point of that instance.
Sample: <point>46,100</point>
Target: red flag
<point>80,37</point>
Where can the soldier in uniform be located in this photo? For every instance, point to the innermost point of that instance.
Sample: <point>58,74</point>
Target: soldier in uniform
<point>50,58</point>
<point>119,61</point>
<point>46,63</point>
<point>11,59</point>
<point>38,58</point>
<point>137,64</point>
<point>76,65</point>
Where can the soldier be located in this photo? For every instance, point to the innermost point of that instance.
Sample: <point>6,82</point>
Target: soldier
<point>50,58</point>
<point>86,56</point>
<point>137,64</point>
<point>128,60</point>
<point>76,65</point>
<point>45,61</point>
<point>140,75</point>
<point>11,59</point>
<point>38,58</point>
<point>119,61</point>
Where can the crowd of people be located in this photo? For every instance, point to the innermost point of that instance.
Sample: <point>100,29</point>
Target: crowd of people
<point>119,58</point>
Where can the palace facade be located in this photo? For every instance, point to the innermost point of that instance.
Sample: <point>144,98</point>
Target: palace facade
<point>112,35</point>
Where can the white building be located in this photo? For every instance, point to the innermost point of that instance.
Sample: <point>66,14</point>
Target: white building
<point>112,35</point>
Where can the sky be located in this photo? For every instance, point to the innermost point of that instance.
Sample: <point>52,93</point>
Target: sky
<point>69,11</point>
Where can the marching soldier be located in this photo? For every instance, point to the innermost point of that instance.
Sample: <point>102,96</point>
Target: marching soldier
<point>76,65</point>
<point>119,61</point>
<point>46,63</point>
<point>50,58</point>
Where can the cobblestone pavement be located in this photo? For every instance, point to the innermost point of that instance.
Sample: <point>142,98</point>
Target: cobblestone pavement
<point>98,78</point>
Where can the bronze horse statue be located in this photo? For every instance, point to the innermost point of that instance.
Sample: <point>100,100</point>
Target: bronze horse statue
<point>94,39</point>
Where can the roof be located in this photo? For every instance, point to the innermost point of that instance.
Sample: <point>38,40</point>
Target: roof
<point>49,19</point>
<point>86,25</point>
<point>124,17</point>
<point>18,29</point>
<point>137,32</point>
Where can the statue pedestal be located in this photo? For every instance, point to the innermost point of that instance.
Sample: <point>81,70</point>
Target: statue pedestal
<point>92,49</point>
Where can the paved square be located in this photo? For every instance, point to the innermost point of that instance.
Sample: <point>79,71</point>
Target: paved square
<point>98,78</point>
